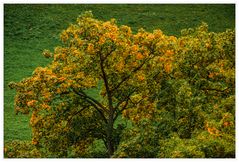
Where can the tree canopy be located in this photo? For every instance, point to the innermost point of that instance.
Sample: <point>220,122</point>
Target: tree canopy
<point>177,93</point>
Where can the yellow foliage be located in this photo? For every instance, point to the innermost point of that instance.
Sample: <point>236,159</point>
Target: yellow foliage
<point>213,131</point>
<point>31,103</point>
<point>135,48</point>
<point>120,65</point>
<point>101,40</point>
<point>157,33</point>
<point>45,106</point>
<point>169,52</point>
<point>33,119</point>
<point>111,36</point>
<point>208,45</point>
<point>64,36</point>
<point>136,98</point>
<point>90,48</point>
<point>173,38</point>
<point>150,36</point>
<point>168,67</point>
<point>141,77</point>
<point>161,59</point>
<point>62,79</point>
<point>80,75</point>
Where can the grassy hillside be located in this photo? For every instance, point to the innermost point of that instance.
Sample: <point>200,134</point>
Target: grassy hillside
<point>29,29</point>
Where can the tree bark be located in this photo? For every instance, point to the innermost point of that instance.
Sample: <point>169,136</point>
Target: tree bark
<point>110,140</point>
<point>110,122</point>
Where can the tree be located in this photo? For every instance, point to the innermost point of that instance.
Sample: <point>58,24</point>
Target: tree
<point>93,54</point>
<point>103,72</point>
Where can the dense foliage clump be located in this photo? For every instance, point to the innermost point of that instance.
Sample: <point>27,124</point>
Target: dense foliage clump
<point>156,95</point>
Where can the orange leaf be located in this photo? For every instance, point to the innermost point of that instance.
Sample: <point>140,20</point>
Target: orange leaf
<point>169,52</point>
<point>168,68</point>
<point>226,124</point>
<point>211,75</point>
<point>31,103</point>
<point>34,142</point>
<point>161,59</point>
<point>139,56</point>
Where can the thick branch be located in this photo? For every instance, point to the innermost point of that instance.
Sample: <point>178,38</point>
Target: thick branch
<point>83,94</point>
<point>105,79</point>
<point>87,98</point>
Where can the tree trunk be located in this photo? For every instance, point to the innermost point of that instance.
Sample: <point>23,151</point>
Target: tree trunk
<point>110,123</point>
<point>110,129</point>
<point>110,143</point>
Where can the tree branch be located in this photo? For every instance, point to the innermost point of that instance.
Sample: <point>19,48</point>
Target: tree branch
<point>105,79</point>
<point>124,107</point>
<point>104,58</point>
<point>126,99</point>
<point>83,94</point>
<point>78,112</point>
<point>88,99</point>
<point>128,76</point>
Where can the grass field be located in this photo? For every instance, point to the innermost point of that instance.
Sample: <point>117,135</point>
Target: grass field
<point>29,29</point>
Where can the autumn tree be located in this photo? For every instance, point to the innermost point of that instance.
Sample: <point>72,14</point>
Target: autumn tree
<point>94,54</point>
<point>103,72</point>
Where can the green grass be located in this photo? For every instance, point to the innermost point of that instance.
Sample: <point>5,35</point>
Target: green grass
<point>29,29</point>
